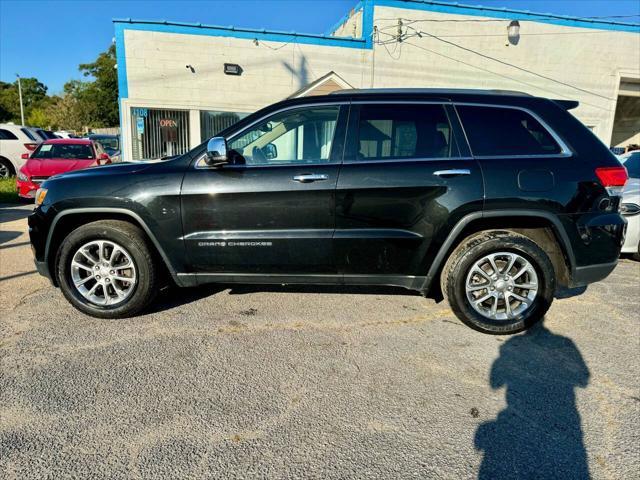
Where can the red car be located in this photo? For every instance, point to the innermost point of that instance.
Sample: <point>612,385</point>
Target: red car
<point>57,156</point>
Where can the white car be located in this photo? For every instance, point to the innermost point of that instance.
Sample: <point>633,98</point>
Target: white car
<point>630,207</point>
<point>14,141</point>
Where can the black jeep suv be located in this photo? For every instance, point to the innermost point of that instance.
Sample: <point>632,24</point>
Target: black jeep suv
<point>492,199</point>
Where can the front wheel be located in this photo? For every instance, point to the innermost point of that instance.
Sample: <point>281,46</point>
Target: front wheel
<point>499,282</point>
<point>106,269</point>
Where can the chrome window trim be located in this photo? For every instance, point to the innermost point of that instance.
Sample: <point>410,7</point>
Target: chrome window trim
<point>404,160</point>
<point>565,150</point>
<point>284,109</point>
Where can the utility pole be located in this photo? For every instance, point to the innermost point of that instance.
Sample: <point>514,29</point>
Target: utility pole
<point>20,94</point>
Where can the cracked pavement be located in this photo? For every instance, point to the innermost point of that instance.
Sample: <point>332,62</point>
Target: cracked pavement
<point>315,382</point>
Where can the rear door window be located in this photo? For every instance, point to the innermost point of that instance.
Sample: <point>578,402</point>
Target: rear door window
<point>28,133</point>
<point>404,132</point>
<point>495,131</point>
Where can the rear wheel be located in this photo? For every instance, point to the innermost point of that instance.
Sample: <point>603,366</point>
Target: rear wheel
<point>106,269</point>
<point>499,282</point>
<point>6,168</point>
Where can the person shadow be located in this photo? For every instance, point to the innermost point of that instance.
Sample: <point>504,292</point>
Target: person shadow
<point>538,434</point>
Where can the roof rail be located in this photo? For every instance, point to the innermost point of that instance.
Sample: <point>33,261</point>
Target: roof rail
<point>432,91</point>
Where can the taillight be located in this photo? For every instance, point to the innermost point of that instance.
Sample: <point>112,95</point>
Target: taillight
<point>30,146</point>
<point>612,178</point>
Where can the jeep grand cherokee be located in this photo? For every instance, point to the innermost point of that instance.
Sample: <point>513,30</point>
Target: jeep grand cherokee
<point>492,199</point>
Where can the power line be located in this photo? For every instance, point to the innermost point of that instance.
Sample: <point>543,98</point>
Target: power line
<point>498,74</point>
<point>502,62</point>
<point>384,43</point>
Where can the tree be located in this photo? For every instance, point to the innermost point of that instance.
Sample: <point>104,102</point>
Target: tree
<point>104,89</point>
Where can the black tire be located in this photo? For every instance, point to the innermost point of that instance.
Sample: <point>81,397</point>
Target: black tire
<point>472,249</point>
<point>134,241</point>
<point>6,168</point>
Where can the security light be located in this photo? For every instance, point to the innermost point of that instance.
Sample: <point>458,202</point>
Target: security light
<point>513,32</point>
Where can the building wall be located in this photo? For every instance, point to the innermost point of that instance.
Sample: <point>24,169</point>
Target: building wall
<point>590,59</point>
<point>585,64</point>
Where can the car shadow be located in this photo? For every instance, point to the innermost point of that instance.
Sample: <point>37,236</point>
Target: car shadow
<point>538,434</point>
<point>8,235</point>
<point>11,213</point>
<point>244,289</point>
<point>173,296</point>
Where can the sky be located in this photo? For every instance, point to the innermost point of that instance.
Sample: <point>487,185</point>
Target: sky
<point>48,39</point>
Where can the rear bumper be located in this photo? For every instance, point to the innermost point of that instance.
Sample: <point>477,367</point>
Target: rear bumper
<point>592,273</point>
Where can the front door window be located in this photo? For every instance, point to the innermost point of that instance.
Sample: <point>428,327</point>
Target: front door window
<point>295,137</point>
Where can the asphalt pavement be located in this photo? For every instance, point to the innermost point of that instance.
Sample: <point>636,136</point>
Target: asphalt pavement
<point>291,382</point>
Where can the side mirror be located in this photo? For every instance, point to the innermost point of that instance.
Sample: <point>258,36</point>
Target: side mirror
<point>270,151</point>
<point>104,159</point>
<point>217,152</point>
<point>25,156</point>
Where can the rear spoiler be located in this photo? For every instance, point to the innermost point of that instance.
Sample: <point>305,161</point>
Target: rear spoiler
<point>567,104</point>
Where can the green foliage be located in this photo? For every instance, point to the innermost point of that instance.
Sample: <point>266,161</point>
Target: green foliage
<point>8,192</point>
<point>91,103</point>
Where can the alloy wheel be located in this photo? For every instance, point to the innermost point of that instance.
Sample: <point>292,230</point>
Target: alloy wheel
<point>501,286</point>
<point>103,272</point>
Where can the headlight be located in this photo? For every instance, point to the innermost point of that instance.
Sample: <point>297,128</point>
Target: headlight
<point>629,209</point>
<point>40,194</point>
<point>22,177</point>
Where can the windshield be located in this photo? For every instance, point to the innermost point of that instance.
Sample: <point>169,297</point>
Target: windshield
<point>64,151</point>
<point>631,162</point>
<point>110,144</point>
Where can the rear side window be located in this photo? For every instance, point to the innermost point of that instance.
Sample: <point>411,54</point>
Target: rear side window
<point>7,135</point>
<point>404,132</point>
<point>28,133</point>
<point>494,131</point>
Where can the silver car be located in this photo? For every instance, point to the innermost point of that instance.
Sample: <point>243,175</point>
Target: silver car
<point>631,203</point>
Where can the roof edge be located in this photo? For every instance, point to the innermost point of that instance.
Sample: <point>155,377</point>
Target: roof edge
<point>528,13</point>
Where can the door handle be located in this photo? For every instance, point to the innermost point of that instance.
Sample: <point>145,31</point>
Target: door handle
<point>310,177</point>
<point>453,172</point>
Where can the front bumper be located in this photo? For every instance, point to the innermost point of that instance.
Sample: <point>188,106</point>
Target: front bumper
<point>26,189</point>
<point>632,238</point>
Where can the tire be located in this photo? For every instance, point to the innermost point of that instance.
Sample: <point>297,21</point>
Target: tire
<point>501,246</point>
<point>139,289</point>
<point>6,168</point>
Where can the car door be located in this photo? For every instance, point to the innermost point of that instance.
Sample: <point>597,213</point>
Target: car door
<point>406,179</point>
<point>272,210</point>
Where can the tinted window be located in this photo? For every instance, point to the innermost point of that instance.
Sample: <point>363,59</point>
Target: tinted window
<point>632,164</point>
<point>404,132</point>
<point>42,134</point>
<point>108,143</point>
<point>28,133</point>
<point>292,137</point>
<point>505,131</point>
<point>7,135</point>
<point>76,152</point>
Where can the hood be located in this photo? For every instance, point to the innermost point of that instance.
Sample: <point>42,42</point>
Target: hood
<point>47,167</point>
<point>114,168</point>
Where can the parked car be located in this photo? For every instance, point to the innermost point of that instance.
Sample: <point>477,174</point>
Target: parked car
<point>45,134</point>
<point>110,144</point>
<point>64,134</point>
<point>493,200</point>
<point>14,141</point>
<point>631,204</point>
<point>57,156</point>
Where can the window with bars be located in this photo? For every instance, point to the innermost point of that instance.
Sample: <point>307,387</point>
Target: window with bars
<point>158,133</point>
